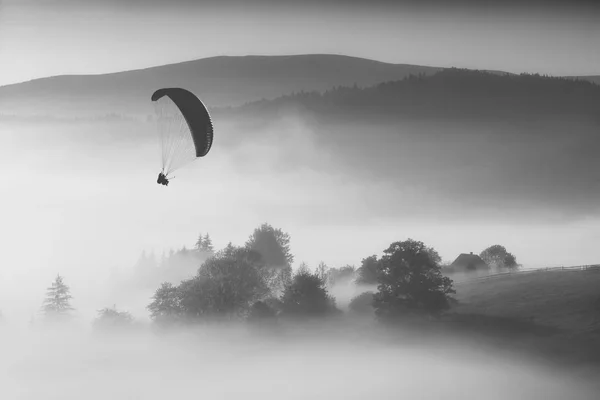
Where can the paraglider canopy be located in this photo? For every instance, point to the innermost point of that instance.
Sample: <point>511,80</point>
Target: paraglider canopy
<point>185,128</point>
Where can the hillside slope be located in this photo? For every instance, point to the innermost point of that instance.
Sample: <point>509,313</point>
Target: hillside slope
<point>219,81</point>
<point>451,93</point>
<point>566,300</point>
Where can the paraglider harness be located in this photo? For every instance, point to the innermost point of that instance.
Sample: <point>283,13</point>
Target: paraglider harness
<point>162,179</point>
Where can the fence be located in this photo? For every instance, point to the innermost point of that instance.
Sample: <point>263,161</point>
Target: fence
<point>595,267</point>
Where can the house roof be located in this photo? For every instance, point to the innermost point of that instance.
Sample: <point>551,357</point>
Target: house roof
<point>468,259</point>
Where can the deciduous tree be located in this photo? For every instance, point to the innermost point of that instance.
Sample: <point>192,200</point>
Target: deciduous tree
<point>410,281</point>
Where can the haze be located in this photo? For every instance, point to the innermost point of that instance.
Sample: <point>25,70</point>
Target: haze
<point>324,363</point>
<point>80,196</point>
<point>82,201</point>
<point>46,38</point>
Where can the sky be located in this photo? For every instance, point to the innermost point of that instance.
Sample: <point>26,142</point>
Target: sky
<point>52,37</point>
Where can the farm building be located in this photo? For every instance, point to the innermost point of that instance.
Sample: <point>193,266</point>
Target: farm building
<point>469,262</point>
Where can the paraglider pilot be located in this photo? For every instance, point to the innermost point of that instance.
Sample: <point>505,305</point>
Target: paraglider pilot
<point>162,179</point>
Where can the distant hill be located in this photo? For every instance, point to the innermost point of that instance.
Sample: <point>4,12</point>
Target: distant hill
<point>515,140</point>
<point>590,78</point>
<point>219,81</point>
<point>450,93</point>
<point>481,140</point>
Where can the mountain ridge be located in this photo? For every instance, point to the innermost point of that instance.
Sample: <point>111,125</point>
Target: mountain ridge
<point>220,81</point>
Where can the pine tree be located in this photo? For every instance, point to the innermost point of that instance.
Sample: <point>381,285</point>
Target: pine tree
<point>207,245</point>
<point>322,271</point>
<point>303,268</point>
<point>199,243</point>
<point>58,300</point>
<point>227,251</point>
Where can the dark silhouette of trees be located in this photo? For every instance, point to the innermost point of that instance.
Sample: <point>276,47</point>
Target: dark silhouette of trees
<point>273,245</point>
<point>236,283</point>
<point>307,296</point>
<point>199,242</point>
<point>338,276</point>
<point>207,245</point>
<point>239,278</point>
<point>57,304</point>
<point>165,307</point>
<point>362,304</point>
<point>261,312</point>
<point>367,273</point>
<point>322,271</point>
<point>410,281</point>
<point>227,250</point>
<point>204,245</point>
<point>303,268</point>
<point>225,286</point>
<point>498,257</point>
<point>449,93</point>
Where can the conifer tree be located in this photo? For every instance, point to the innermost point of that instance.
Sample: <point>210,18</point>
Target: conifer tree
<point>199,243</point>
<point>58,300</point>
<point>207,245</point>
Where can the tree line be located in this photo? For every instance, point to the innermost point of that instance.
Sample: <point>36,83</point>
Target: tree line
<point>450,93</point>
<point>255,282</point>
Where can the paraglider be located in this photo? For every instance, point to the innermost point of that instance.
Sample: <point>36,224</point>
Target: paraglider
<point>185,129</point>
<point>162,179</point>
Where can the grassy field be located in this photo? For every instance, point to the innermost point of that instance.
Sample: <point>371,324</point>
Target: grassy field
<point>568,301</point>
<point>554,315</point>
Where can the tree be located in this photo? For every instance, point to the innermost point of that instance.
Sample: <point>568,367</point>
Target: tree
<point>303,268</point>
<point>199,243</point>
<point>410,281</point>
<point>272,244</point>
<point>227,251</point>
<point>207,245</point>
<point>57,304</point>
<point>498,257</point>
<point>225,286</point>
<point>111,318</point>
<point>322,271</point>
<point>204,244</point>
<point>166,304</point>
<point>367,273</point>
<point>261,312</point>
<point>306,296</point>
<point>362,304</point>
<point>337,276</point>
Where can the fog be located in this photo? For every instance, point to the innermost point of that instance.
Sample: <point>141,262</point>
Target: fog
<point>81,200</point>
<point>329,362</point>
